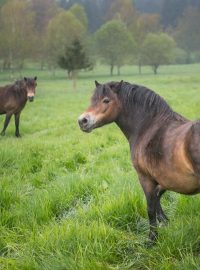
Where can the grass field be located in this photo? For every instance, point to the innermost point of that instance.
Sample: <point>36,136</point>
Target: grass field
<point>70,200</point>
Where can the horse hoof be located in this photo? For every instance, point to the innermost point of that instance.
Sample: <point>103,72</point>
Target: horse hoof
<point>153,236</point>
<point>18,135</point>
<point>2,133</point>
<point>149,243</point>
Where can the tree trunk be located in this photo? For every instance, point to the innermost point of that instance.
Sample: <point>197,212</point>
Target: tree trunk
<point>118,70</point>
<point>69,74</point>
<point>155,69</point>
<point>111,69</point>
<point>74,76</point>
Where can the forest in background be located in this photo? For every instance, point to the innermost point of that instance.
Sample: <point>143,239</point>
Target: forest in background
<point>60,33</point>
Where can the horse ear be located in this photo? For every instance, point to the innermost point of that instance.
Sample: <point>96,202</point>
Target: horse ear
<point>35,78</point>
<point>25,79</point>
<point>117,88</point>
<point>96,83</point>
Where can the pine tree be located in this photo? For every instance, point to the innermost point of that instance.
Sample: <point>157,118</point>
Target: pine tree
<point>74,59</point>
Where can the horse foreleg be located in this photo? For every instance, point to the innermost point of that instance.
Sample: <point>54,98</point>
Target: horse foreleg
<point>6,122</point>
<point>149,187</point>
<point>17,116</point>
<point>159,211</point>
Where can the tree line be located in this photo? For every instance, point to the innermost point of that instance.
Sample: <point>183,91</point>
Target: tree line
<point>57,33</point>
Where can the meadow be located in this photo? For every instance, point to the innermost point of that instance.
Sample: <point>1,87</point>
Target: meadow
<point>70,200</point>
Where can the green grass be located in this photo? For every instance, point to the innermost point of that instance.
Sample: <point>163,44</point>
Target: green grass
<point>70,200</point>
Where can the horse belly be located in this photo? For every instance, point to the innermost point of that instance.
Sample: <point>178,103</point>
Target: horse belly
<point>178,182</point>
<point>2,108</point>
<point>178,175</point>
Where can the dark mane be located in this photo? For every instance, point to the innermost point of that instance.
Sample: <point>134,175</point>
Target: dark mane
<point>19,84</point>
<point>135,96</point>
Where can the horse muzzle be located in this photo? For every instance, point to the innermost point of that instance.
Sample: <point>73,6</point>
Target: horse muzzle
<point>31,98</point>
<point>86,122</point>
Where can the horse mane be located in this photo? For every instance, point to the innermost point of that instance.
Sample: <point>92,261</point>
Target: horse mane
<point>135,96</point>
<point>19,84</point>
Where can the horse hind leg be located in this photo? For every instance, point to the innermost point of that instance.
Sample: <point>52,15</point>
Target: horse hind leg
<point>161,217</point>
<point>6,122</point>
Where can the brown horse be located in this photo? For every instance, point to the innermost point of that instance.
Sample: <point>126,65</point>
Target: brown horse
<point>165,147</point>
<point>13,98</point>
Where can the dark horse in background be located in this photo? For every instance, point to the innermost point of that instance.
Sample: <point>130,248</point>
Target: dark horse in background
<point>165,147</point>
<point>13,98</point>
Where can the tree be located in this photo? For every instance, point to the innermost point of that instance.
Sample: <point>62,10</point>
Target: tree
<point>95,10</point>
<point>187,33</point>
<point>172,10</point>
<point>114,44</point>
<point>145,24</point>
<point>16,33</point>
<point>44,11</point>
<point>158,50</point>
<point>74,59</point>
<point>123,10</point>
<point>62,30</point>
<point>79,13</point>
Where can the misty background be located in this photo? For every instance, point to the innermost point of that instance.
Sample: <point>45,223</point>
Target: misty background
<point>75,35</point>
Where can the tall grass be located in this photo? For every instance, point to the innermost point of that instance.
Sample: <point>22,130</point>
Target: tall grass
<point>70,200</point>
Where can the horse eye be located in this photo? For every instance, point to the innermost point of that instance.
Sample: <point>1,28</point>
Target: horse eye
<point>106,100</point>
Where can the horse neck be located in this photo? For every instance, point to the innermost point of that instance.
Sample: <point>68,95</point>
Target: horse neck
<point>20,92</point>
<point>135,123</point>
<point>130,124</point>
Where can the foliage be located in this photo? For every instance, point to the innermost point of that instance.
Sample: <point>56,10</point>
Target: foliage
<point>44,11</point>
<point>79,13</point>
<point>158,50</point>
<point>75,58</point>
<point>95,10</point>
<point>188,31</point>
<point>16,33</point>
<point>40,30</point>
<point>143,25</point>
<point>172,10</point>
<point>114,44</point>
<point>70,200</point>
<point>180,56</point>
<point>123,10</point>
<point>62,30</point>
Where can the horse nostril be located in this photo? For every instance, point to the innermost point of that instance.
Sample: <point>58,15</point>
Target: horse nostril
<point>84,120</point>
